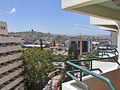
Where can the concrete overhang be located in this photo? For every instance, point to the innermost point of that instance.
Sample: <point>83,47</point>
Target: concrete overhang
<point>104,24</point>
<point>108,29</point>
<point>99,8</point>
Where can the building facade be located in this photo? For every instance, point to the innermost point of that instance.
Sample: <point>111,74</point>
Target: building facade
<point>11,77</point>
<point>83,46</point>
<point>114,38</point>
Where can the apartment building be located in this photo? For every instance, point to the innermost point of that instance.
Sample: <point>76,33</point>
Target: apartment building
<point>10,63</point>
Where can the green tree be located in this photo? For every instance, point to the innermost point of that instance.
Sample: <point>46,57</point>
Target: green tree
<point>54,43</point>
<point>75,52</point>
<point>37,65</point>
<point>70,53</point>
<point>80,56</point>
<point>69,50</point>
<point>41,44</point>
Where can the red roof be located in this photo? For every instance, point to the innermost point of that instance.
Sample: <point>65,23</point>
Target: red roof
<point>54,47</point>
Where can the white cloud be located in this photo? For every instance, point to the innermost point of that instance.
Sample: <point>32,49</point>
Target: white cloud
<point>76,24</point>
<point>13,10</point>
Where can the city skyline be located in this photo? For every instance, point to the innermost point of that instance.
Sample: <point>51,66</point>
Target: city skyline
<point>45,16</point>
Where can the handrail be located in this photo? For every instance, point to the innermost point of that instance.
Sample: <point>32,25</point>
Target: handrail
<point>82,83</point>
<point>81,69</point>
<point>96,59</point>
<point>91,73</point>
<point>106,51</point>
<point>114,46</point>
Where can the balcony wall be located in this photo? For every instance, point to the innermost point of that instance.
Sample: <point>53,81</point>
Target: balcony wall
<point>10,66</point>
<point>19,87</point>
<point>10,48</point>
<point>10,39</point>
<point>9,58</point>
<point>9,76</point>
<point>13,83</point>
<point>3,49</point>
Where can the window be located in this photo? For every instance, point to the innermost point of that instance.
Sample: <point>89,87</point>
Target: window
<point>2,27</point>
<point>85,46</point>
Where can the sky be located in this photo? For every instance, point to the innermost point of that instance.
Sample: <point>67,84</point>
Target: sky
<point>45,16</point>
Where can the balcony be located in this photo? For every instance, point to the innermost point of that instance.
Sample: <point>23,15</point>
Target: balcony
<point>98,79</point>
<point>19,86</point>
<point>4,49</point>
<point>19,47</point>
<point>9,57</point>
<point>10,39</point>
<point>10,48</point>
<point>10,84</point>
<point>8,75</point>
<point>6,67</point>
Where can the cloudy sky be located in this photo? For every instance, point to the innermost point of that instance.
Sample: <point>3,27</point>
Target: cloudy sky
<point>45,16</point>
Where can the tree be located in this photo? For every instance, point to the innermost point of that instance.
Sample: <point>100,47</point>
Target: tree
<point>54,43</point>
<point>75,52</point>
<point>41,44</point>
<point>69,50</point>
<point>80,57</point>
<point>37,65</point>
<point>70,53</point>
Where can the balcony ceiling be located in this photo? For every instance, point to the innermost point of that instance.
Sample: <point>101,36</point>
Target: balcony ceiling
<point>99,8</point>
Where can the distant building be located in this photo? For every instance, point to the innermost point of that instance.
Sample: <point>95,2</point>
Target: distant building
<point>114,38</point>
<point>83,46</point>
<point>32,31</point>
<point>54,48</point>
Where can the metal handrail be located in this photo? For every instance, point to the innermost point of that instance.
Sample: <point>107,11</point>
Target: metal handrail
<point>113,47</point>
<point>89,71</point>
<point>81,69</point>
<point>82,83</point>
<point>106,51</point>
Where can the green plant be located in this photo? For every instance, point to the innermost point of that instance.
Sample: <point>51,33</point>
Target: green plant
<point>37,65</point>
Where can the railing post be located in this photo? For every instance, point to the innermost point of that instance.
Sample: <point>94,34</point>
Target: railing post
<point>81,75</point>
<point>102,54</point>
<point>91,65</point>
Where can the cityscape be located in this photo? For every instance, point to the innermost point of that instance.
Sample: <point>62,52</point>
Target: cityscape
<point>45,47</point>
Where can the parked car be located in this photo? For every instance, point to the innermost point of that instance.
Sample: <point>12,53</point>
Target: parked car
<point>50,82</point>
<point>43,89</point>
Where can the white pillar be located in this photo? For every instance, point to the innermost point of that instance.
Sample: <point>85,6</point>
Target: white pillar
<point>118,36</point>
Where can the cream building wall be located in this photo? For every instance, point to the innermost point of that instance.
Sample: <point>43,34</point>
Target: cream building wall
<point>3,28</point>
<point>11,76</point>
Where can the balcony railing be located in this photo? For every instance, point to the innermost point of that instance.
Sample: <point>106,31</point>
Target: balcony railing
<point>74,63</point>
